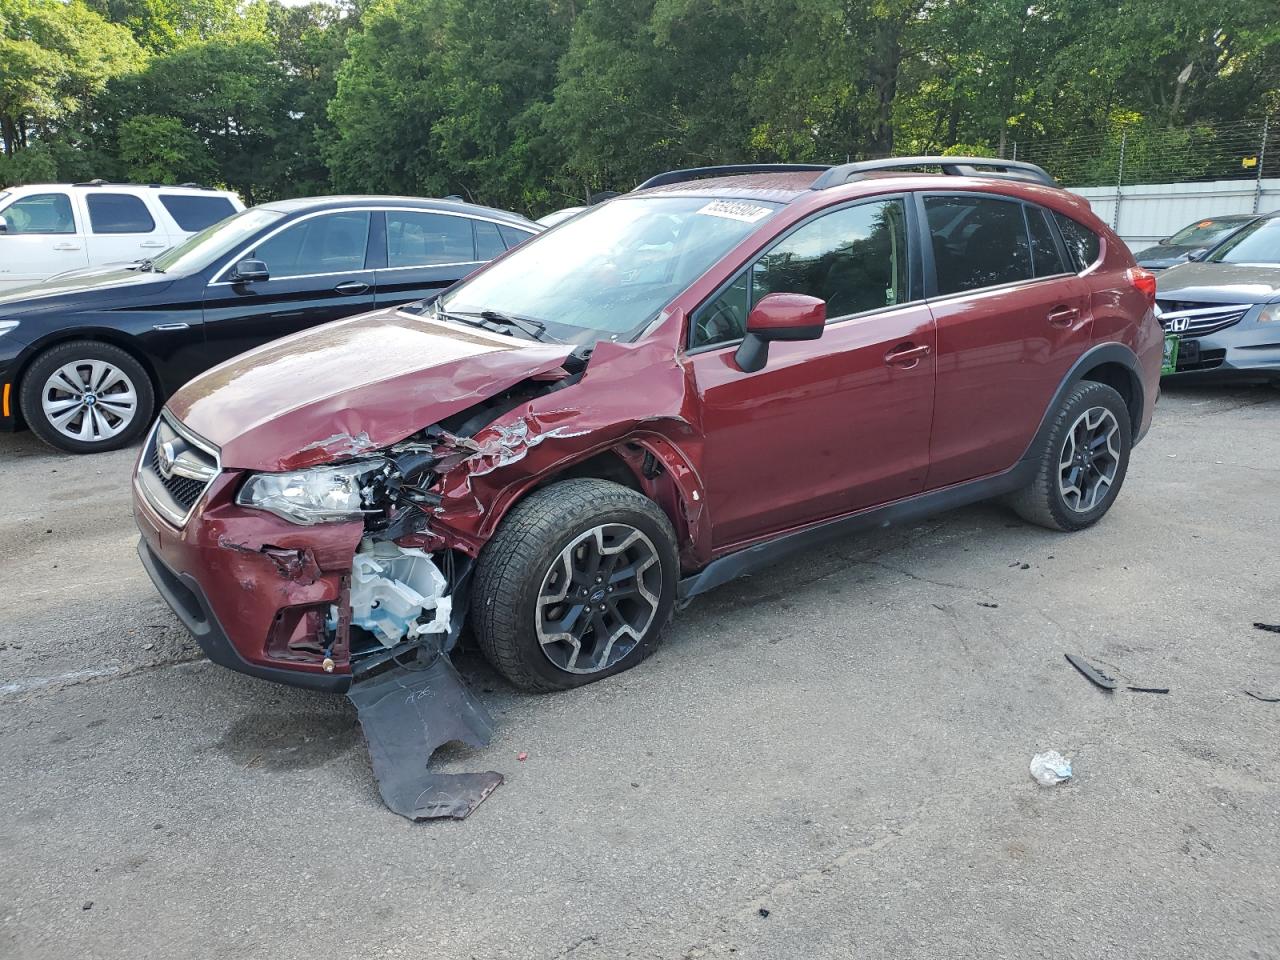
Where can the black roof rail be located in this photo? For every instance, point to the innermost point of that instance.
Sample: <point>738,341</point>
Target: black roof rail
<point>128,183</point>
<point>951,166</point>
<point>729,170</point>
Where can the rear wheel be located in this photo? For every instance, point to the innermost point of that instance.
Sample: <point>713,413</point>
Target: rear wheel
<point>86,397</point>
<point>1083,463</point>
<point>576,585</point>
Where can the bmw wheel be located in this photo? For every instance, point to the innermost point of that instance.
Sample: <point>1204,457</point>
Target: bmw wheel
<point>86,397</point>
<point>576,585</point>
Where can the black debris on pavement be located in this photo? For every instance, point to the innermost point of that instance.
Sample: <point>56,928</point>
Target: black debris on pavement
<point>1091,673</point>
<point>989,606</point>
<point>763,911</point>
<point>1262,696</point>
<point>407,713</point>
<point>1269,627</point>
<point>1148,689</point>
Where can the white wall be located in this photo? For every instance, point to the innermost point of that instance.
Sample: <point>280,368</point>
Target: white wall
<point>1151,211</point>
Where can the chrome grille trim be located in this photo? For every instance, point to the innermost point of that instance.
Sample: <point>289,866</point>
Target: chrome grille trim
<point>190,462</point>
<point>1187,318</point>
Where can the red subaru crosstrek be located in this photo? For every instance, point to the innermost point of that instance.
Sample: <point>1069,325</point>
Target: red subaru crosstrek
<point>671,388</point>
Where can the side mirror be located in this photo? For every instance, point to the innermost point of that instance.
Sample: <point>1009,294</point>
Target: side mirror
<point>1162,242</point>
<point>779,316</point>
<point>250,271</point>
<point>4,225</point>
<point>1196,254</point>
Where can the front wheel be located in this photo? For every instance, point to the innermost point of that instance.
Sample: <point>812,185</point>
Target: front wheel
<point>576,585</point>
<point>86,397</point>
<point>1083,463</point>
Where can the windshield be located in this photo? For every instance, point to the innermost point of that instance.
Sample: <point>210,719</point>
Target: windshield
<point>1259,242</point>
<point>1204,233</point>
<point>606,273</point>
<point>201,249</point>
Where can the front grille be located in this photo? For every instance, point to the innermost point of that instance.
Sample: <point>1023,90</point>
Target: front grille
<point>177,467</point>
<point>1192,319</point>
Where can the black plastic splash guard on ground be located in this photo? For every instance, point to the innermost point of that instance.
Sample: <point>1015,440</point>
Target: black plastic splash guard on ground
<point>406,713</point>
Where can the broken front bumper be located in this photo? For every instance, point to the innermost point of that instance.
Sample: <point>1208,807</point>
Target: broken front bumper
<point>254,590</point>
<point>184,596</point>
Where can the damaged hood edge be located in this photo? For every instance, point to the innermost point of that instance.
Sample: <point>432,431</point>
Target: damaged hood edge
<point>351,387</point>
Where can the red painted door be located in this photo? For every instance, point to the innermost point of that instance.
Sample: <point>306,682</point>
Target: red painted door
<point>828,426</point>
<point>1011,319</point>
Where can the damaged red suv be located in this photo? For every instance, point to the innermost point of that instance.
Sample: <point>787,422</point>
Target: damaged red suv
<point>670,389</point>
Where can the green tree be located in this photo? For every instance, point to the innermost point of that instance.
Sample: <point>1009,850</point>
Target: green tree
<point>155,149</point>
<point>55,57</point>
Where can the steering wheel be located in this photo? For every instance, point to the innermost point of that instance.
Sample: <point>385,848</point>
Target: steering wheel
<point>717,324</point>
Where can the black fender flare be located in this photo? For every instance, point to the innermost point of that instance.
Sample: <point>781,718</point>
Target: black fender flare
<point>1117,353</point>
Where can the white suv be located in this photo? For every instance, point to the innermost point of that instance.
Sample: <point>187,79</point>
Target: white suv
<point>48,229</point>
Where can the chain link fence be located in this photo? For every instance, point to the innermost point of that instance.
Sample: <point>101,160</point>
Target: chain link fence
<point>1150,154</point>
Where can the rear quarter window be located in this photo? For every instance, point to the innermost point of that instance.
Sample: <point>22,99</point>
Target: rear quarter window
<point>193,214</point>
<point>1083,245</point>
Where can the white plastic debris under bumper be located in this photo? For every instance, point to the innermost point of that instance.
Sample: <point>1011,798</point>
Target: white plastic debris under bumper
<point>393,589</point>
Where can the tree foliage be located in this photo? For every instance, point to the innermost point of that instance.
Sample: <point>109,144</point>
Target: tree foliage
<point>533,104</point>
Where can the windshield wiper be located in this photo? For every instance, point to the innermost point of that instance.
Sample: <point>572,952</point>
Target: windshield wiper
<point>533,328</point>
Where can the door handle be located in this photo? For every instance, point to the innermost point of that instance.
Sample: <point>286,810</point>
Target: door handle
<point>66,245</point>
<point>906,355</point>
<point>1063,316</point>
<point>151,243</point>
<point>350,287</point>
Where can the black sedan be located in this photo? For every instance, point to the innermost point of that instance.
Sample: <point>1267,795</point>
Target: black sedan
<point>86,359</point>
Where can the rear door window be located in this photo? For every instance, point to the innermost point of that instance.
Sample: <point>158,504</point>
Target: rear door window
<point>330,243</point>
<point>488,240</point>
<point>1083,245</point>
<point>417,239</point>
<point>193,213</point>
<point>118,213</point>
<point>1046,258</point>
<point>977,242</point>
<point>40,213</point>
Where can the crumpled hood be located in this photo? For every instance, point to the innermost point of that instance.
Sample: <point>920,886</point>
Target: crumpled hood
<point>351,386</point>
<point>1220,282</point>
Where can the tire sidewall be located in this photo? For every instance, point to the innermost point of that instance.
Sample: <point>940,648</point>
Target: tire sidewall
<point>1085,397</point>
<point>32,388</point>
<point>526,605</point>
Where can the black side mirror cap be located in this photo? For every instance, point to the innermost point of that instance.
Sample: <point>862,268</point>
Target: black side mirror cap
<point>251,271</point>
<point>4,225</point>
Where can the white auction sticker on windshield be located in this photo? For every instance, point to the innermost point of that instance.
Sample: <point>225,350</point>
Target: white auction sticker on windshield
<point>736,210</point>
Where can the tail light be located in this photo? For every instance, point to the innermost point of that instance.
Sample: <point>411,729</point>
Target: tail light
<point>1143,280</point>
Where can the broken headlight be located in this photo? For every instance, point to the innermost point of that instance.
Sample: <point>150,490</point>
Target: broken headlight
<point>318,495</point>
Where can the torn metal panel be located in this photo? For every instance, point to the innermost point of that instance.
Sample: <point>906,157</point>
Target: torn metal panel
<point>407,713</point>
<point>342,445</point>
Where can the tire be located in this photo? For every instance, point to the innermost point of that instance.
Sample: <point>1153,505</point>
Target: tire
<point>1048,500</point>
<point>547,541</point>
<point>57,415</point>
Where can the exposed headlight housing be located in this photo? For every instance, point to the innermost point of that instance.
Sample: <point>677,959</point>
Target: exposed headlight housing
<point>318,495</point>
<point>1270,314</point>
